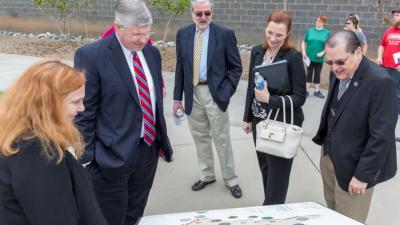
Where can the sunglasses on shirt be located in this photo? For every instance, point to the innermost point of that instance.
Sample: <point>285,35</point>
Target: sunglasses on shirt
<point>200,14</point>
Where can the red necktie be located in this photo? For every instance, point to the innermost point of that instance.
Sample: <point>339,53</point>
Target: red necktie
<point>145,101</point>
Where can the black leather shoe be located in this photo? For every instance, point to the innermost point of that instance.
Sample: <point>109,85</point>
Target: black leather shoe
<point>201,184</point>
<point>236,191</point>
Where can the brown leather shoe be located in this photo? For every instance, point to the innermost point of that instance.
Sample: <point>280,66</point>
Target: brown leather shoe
<point>201,184</point>
<point>236,191</point>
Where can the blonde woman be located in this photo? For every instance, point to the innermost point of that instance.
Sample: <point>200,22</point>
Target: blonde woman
<point>41,180</point>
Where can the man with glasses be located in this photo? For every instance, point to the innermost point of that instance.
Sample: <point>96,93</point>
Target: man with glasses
<point>123,124</point>
<point>389,53</point>
<point>208,70</point>
<point>357,127</point>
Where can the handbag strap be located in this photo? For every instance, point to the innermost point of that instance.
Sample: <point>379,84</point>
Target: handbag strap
<point>291,109</point>
<point>277,111</point>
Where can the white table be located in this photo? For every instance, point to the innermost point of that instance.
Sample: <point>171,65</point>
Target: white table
<point>305,213</point>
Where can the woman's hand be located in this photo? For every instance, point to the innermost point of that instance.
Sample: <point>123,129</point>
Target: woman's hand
<point>263,94</point>
<point>247,128</point>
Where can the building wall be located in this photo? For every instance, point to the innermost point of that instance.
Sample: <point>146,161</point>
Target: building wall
<point>246,17</point>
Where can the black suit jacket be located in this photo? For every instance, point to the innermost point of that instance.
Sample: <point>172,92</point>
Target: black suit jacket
<point>224,66</point>
<point>361,139</point>
<point>112,120</point>
<point>37,191</point>
<point>298,83</point>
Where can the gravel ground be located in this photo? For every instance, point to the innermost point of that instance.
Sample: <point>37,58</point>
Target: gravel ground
<point>65,49</point>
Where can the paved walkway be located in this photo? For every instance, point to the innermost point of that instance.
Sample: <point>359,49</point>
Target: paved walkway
<point>171,191</point>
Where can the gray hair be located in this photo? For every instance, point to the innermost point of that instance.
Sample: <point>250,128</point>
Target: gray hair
<point>129,13</point>
<point>201,1</point>
<point>347,37</point>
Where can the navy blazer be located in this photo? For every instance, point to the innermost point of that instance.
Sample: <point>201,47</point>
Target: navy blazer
<point>361,139</point>
<point>297,76</point>
<point>224,66</point>
<point>112,120</point>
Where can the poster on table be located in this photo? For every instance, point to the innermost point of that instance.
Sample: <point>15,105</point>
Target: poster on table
<point>306,213</point>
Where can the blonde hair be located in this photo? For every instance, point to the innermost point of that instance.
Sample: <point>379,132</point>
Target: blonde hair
<point>33,108</point>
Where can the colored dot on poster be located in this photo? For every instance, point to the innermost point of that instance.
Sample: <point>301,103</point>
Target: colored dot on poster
<point>302,219</point>
<point>267,218</point>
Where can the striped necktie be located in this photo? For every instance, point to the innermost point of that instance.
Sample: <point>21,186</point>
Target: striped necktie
<point>196,57</point>
<point>145,101</point>
<point>343,87</point>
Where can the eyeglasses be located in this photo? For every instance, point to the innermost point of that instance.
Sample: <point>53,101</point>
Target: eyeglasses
<point>200,14</point>
<point>277,35</point>
<point>339,62</point>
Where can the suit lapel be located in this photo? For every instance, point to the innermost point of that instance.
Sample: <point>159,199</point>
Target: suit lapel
<point>258,57</point>
<point>356,81</point>
<point>189,36</point>
<point>212,42</point>
<point>332,83</point>
<point>120,63</point>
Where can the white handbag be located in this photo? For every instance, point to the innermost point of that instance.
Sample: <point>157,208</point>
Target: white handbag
<point>279,138</point>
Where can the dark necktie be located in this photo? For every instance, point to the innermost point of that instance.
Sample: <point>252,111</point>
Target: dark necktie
<point>145,101</point>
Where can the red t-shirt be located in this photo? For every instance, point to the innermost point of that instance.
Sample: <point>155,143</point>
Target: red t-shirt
<point>391,42</point>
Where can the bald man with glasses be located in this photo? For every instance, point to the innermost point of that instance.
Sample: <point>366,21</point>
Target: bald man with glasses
<point>357,127</point>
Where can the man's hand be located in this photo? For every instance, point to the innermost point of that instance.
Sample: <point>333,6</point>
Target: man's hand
<point>164,92</point>
<point>262,95</point>
<point>247,128</point>
<point>357,187</point>
<point>378,61</point>
<point>178,105</point>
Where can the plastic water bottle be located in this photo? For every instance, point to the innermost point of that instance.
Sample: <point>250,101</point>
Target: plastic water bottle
<point>179,117</point>
<point>259,81</point>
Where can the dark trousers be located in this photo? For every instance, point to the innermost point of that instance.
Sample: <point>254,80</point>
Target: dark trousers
<point>275,172</point>
<point>314,68</point>
<point>123,200</point>
<point>396,76</point>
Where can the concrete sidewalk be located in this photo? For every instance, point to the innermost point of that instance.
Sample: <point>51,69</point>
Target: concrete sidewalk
<point>172,193</point>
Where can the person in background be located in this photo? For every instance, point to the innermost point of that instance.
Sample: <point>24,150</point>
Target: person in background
<point>312,47</point>
<point>41,179</point>
<point>123,124</point>
<point>208,69</point>
<point>389,54</point>
<point>275,170</point>
<point>352,22</point>
<point>357,127</point>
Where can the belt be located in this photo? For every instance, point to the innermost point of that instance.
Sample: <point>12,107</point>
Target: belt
<point>202,82</point>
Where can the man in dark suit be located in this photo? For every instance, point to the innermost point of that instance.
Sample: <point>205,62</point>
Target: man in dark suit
<point>357,127</point>
<point>123,125</point>
<point>208,69</point>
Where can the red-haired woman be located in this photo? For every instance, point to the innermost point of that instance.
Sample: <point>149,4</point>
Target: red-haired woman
<point>41,180</point>
<point>275,170</point>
